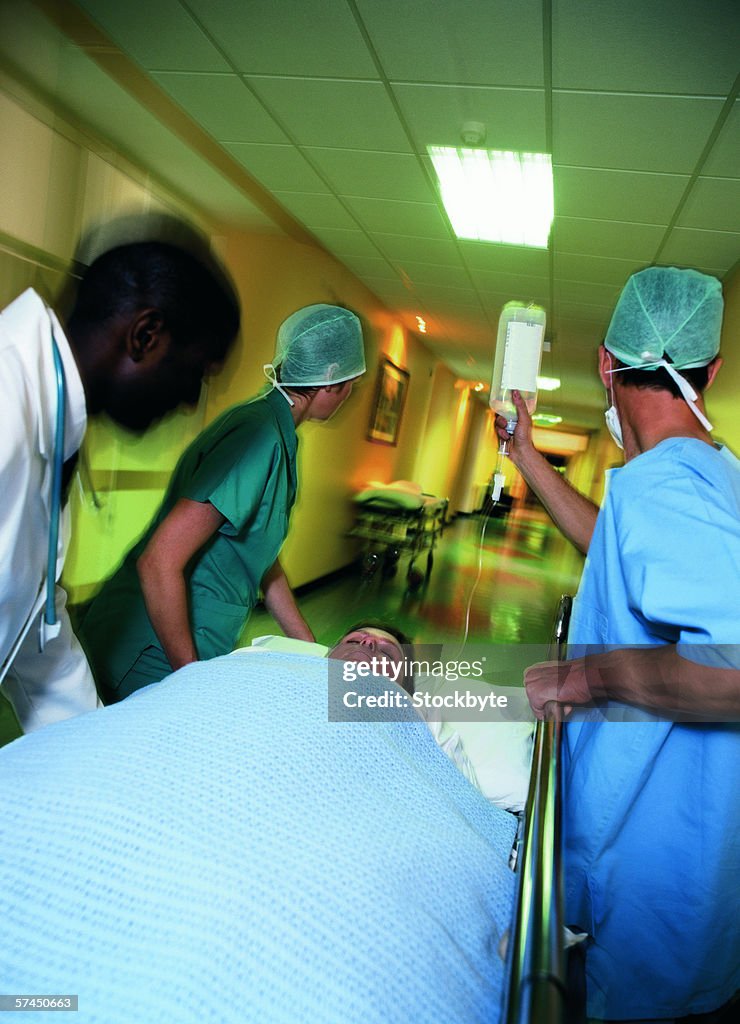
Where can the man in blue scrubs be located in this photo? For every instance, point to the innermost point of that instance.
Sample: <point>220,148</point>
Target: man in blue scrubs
<point>652,766</point>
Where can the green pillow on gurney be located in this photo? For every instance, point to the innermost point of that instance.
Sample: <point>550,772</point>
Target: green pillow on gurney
<point>286,645</point>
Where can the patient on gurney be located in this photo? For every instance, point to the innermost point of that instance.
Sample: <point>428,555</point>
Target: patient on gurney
<point>215,847</point>
<point>381,641</point>
<point>494,756</point>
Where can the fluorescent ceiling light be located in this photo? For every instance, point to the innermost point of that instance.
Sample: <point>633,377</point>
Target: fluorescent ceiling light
<point>548,383</point>
<point>496,196</point>
<point>543,419</point>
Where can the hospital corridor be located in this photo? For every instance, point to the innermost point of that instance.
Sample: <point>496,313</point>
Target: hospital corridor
<point>370,511</point>
<point>526,566</point>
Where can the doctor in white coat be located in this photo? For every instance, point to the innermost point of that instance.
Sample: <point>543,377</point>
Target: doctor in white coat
<point>149,320</point>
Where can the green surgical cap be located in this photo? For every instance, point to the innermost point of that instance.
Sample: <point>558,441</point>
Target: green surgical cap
<point>319,345</point>
<point>667,313</point>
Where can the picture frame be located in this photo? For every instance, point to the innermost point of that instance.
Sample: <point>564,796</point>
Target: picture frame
<point>390,397</point>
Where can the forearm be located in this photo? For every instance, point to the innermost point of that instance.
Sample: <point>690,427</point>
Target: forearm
<point>572,512</point>
<point>166,600</point>
<point>656,678</point>
<point>281,604</point>
<point>659,678</point>
<point>161,567</point>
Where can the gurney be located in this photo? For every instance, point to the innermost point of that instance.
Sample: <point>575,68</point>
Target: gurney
<point>246,852</point>
<point>396,519</point>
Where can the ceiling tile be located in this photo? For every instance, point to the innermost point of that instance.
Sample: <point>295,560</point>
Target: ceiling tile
<point>633,46</point>
<point>600,315</point>
<point>161,35</point>
<point>345,242</point>
<point>638,133</point>
<point>724,158</point>
<point>390,292</point>
<point>429,273</point>
<point>371,266</point>
<point>323,112</point>
<point>376,175</point>
<point>223,105</point>
<point>462,42</point>
<point>574,334</point>
<point>617,195</point>
<point>277,167</point>
<point>517,287</point>
<point>504,281</point>
<point>617,239</point>
<point>440,292</point>
<point>316,211</point>
<point>291,38</point>
<point>594,268</point>
<point>713,251</point>
<point>514,118</point>
<point>587,292</point>
<point>422,219</point>
<point>713,203</point>
<point>511,259</point>
<point>442,251</point>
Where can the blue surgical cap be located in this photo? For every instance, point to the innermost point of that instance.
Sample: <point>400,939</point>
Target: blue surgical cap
<point>319,345</point>
<point>667,313</point>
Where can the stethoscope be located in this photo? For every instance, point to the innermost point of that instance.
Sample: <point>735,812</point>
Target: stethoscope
<point>49,625</point>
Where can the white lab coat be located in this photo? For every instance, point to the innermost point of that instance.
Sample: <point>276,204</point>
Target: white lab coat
<point>43,686</point>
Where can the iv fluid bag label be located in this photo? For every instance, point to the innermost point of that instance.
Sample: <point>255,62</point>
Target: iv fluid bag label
<point>521,356</point>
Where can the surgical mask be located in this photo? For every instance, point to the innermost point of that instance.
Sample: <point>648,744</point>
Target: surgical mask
<point>614,426</point>
<point>611,416</point>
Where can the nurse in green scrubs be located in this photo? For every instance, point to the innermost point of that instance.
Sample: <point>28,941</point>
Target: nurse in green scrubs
<point>184,592</point>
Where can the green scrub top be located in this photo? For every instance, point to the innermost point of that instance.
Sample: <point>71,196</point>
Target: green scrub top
<point>244,464</point>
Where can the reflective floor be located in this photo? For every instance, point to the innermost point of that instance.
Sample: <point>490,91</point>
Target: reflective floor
<point>525,565</point>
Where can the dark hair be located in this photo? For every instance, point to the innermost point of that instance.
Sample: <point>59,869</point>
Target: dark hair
<point>197,300</point>
<point>660,380</point>
<point>407,679</point>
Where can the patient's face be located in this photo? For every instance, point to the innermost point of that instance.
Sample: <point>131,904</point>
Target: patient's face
<point>366,643</point>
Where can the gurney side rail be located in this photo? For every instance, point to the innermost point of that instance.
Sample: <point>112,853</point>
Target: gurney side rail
<point>536,990</point>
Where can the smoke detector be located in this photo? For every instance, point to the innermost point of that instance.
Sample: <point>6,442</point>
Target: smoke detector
<point>473,133</point>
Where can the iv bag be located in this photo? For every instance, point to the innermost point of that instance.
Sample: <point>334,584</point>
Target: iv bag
<point>521,332</point>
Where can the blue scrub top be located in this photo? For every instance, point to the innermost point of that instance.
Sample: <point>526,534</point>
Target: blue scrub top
<point>652,808</point>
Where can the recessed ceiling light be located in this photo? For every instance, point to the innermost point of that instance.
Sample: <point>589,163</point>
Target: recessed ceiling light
<point>548,383</point>
<point>543,419</point>
<point>422,325</point>
<point>496,196</point>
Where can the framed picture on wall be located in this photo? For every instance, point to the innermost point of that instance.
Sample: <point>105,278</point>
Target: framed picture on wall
<point>390,395</point>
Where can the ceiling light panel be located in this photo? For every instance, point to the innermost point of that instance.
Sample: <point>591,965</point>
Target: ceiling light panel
<point>496,195</point>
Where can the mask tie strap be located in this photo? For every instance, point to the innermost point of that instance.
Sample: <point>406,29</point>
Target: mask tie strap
<point>687,392</point>
<point>269,371</point>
